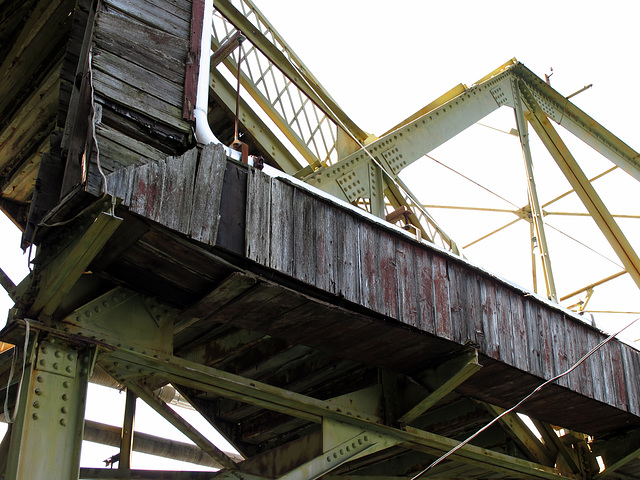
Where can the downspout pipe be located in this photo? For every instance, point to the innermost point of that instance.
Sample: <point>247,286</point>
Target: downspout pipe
<point>204,135</point>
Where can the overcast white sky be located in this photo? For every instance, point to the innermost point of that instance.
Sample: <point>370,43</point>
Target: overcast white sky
<point>382,61</point>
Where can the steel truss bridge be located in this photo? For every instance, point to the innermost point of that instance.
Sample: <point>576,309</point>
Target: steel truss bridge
<point>313,311</point>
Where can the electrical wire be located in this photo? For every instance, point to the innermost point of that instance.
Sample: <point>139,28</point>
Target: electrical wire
<point>540,387</point>
<point>8,417</point>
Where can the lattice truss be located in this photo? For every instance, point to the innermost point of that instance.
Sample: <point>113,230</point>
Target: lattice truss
<point>305,124</point>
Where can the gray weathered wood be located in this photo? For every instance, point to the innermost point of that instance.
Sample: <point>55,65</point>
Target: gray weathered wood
<point>175,22</point>
<point>205,213</point>
<point>258,220</point>
<point>177,191</point>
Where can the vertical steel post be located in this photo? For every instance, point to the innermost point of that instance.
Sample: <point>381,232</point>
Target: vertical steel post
<point>46,436</point>
<point>126,439</point>
<point>536,210</point>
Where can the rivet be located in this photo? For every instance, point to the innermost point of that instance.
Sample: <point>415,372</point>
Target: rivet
<point>37,391</point>
<point>70,357</point>
<point>57,354</point>
<point>68,369</point>
<point>52,341</point>
<point>65,384</point>
<point>63,422</point>
<point>65,397</point>
<point>39,379</point>
<point>34,416</point>
<point>44,349</point>
<point>64,410</point>
<point>36,404</point>
<point>55,366</point>
<point>84,371</point>
<point>42,363</point>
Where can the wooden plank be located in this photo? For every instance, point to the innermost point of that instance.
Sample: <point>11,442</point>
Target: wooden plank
<point>349,268</point>
<point>304,237</point>
<point>155,50</point>
<point>407,285</point>
<point>138,100</point>
<point>593,366</point>
<point>177,191</point>
<point>233,209</point>
<point>532,322</point>
<point>490,344</point>
<point>258,223</point>
<point>193,60</point>
<point>519,332</point>
<point>558,345</point>
<point>441,298</point>
<point>175,22</point>
<point>205,213</point>
<point>139,78</point>
<point>388,274</point>
<point>281,249</point>
<point>618,374</point>
<point>370,268</point>
<point>504,332</point>
<point>326,248</point>
<point>120,184</point>
<point>145,195</point>
<point>458,290</point>
<point>631,363</point>
<point>425,290</point>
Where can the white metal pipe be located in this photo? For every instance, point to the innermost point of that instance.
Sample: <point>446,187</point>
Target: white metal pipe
<point>204,135</point>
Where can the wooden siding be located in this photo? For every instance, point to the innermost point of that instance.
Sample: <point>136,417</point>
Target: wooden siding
<point>391,274</point>
<point>138,69</point>
<point>329,278</point>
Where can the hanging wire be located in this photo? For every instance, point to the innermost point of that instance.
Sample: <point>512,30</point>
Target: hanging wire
<point>540,387</point>
<point>8,417</point>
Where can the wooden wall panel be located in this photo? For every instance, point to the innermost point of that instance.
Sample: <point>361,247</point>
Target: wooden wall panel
<point>393,276</point>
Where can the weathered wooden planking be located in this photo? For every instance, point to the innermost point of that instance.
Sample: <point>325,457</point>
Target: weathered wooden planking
<point>137,77</point>
<point>155,50</point>
<point>370,268</point>
<point>139,100</point>
<point>178,190</point>
<point>258,222</point>
<point>171,20</point>
<point>425,292</point>
<point>119,151</point>
<point>443,326</point>
<point>281,252</point>
<point>205,212</point>
<point>304,238</point>
<point>326,247</point>
<point>348,264</point>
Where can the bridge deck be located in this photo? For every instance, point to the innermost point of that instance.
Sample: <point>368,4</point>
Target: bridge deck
<point>271,258</point>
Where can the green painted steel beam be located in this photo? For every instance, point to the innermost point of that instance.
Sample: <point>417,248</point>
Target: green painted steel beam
<point>537,215</point>
<point>207,379</point>
<point>298,76</point>
<point>522,435</point>
<point>58,276</point>
<point>442,380</point>
<point>46,435</point>
<point>177,421</point>
<point>583,188</point>
<point>565,113</point>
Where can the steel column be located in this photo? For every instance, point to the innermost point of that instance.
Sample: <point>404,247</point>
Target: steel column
<point>536,210</point>
<point>47,434</point>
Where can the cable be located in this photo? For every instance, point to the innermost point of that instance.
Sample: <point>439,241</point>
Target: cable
<point>540,387</point>
<point>474,182</point>
<point>94,139</point>
<point>10,418</point>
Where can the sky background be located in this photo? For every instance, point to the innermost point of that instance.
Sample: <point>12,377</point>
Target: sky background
<point>382,61</point>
